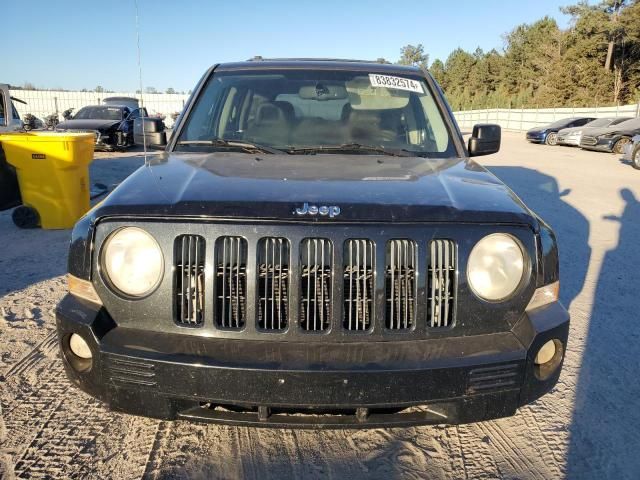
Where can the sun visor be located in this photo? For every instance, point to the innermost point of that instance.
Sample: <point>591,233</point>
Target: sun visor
<point>364,96</point>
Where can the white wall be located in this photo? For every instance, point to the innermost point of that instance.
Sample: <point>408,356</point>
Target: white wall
<point>524,119</point>
<point>43,103</point>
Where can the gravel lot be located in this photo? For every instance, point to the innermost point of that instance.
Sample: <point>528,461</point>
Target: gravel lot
<point>588,427</point>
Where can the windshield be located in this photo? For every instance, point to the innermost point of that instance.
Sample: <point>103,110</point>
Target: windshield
<point>317,110</point>
<point>561,123</point>
<point>600,122</point>
<point>632,124</point>
<point>99,113</point>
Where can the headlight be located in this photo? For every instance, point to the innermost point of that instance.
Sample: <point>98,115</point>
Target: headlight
<point>132,261</point>
<point>495,267</point>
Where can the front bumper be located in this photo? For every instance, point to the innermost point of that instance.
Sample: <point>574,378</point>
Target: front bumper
<point>536,137</point>
<point>360,384</point>
<point>601,145</point>
<point>573,140</point>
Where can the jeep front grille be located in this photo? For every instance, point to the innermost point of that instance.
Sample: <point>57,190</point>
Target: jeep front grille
<point>189,280</point>
<point>400,284</point>
<point>231,282</point>
<point>441,279</point>
<point>315,286</point>
<point>359,273</point>
<point>273,283</point>
<point>294,286</point>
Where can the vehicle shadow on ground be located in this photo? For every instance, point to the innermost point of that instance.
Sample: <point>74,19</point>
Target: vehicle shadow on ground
<point>34,255</point>
<point>570,226</point>
<point>606,409</point>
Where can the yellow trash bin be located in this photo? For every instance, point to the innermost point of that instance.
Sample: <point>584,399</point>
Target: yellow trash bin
<point>53,175</point>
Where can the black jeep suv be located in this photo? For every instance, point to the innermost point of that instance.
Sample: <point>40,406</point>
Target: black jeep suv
<point>315,249</point>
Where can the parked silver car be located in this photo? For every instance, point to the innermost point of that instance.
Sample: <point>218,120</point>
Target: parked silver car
<point>572,136</point>
<point>632,152</point>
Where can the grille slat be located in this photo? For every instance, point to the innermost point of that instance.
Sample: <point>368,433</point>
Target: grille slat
<point>400,280</point>
<point>273,283</point>
<point>359,274</point>
<point>441,278</point>
<point>231,282</point>
<point>315,286</point>
<point>189,262</point>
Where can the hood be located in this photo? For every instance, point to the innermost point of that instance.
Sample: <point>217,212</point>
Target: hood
<point>629,130</point>
<point>366,188</point>
<point>88,124</point>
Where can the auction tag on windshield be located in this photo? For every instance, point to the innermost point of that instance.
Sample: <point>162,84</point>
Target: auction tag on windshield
<point>398,83</point>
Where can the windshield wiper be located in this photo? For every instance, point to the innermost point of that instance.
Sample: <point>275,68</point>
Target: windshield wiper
<point>353,147</point>
<point>221,142</point>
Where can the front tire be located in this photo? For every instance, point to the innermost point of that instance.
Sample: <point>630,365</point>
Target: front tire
<point>25,217</point>
<point>618,148</point>
<point>635,158</point>
<point>552,139</point>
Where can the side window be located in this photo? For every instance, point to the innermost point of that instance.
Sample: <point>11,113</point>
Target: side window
<point>135,114</point>
<point>3,110</point>
<point>16,115</point>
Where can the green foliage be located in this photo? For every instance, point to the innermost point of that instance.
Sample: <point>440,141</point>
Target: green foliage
<point>413,55</point>
<point>545,66</point>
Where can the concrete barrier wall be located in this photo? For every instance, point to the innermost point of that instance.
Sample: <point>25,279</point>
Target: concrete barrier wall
<point>43,103</point>
<point>524,119</point>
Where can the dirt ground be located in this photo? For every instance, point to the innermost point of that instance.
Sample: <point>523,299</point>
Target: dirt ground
<point>588,427</point>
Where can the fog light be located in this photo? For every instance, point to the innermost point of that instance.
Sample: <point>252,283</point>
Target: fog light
<point>79,347</point>
<point>546,353</point>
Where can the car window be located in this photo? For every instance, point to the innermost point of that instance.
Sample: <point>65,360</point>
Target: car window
<point>3,110</point>
<point>291,109</point>
<point>630,124</point>
<point>599,122</point>
<point>619,120</point>
<point>99,113</point>
<point>582,121</point>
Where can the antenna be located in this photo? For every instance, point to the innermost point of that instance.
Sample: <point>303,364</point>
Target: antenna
<point>144,137</point>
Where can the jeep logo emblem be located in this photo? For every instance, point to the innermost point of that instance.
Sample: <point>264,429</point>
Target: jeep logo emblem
<point>331,211</point>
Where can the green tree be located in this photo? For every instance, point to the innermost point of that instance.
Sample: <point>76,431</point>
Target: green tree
<point>413,55</point>
<point>437,70</point>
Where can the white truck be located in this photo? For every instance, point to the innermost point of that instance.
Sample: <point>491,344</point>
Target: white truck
<point>9,118</point>
<point>9,122</point>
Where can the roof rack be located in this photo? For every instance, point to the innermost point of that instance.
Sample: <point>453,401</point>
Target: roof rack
<point>258,58</point>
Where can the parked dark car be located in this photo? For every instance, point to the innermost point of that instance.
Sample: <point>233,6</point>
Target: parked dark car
<point>611,139</point>
<point>315,248</point>
<point>632,152</point>
<point>572,136</point>
<point>112,124</point>
<point>549,133</point>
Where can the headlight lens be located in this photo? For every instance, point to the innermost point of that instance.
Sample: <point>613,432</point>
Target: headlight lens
<point>133,261</point>
<point>495,267</point>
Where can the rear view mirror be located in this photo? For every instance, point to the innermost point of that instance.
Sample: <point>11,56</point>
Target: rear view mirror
<point>484,140</point>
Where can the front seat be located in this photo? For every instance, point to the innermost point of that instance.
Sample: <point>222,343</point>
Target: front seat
<point>270,127</point>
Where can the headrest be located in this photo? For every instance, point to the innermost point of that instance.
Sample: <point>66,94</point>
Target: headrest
<point>269,113</point>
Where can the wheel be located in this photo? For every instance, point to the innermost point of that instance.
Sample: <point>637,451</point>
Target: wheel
<point>26,217</point>
<point>618,148</point>
<point>635,158</point>
<point>552,139</point>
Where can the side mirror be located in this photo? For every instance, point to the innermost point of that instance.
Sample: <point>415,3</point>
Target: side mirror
<point>484,140</point>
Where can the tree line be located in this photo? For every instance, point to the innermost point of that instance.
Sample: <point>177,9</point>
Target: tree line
<point>595,61</point>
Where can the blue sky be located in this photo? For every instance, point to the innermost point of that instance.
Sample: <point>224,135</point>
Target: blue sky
<point>84,43</point>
